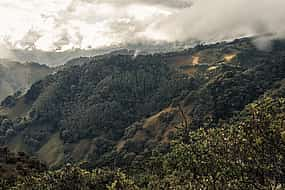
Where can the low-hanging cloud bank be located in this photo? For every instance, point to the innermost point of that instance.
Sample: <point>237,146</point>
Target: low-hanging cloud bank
<point>5,53</point>
<point>214,20</point>
<point>167,3</point>
<point>98,23</point>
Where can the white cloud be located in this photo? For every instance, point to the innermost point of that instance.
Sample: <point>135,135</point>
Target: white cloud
<point>5,52</point>
<point>167,3</point>
<point>53,24</point>
<point>65,24</point>
<point>213,20</point>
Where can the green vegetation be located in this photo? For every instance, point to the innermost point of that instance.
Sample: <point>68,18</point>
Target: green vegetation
<point>155,122</point>
<point>248,154</point>
<point>74,178</point>
<point>52,152</point>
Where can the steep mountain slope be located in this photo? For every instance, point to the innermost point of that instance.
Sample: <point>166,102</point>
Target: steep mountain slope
<point>15,76</point>
<point>246,152</point>
<point>115,109</point>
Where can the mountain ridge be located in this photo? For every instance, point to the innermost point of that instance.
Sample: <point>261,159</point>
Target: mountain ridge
<point>117,108</point>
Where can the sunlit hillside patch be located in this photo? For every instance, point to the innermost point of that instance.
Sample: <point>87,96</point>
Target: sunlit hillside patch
<point>229,57</point>
<point>212,68</point>
<point>195,60</point>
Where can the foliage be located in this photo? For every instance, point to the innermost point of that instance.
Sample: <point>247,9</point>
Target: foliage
<point>75,178</point>
<point>247,154</point>
<point>114,110</point>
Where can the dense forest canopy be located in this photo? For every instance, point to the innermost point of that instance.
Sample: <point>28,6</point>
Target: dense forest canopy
<point>210,117</point>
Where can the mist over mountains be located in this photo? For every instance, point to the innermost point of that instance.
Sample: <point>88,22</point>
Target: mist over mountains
<point>57,58</point>
<point>166,120</point>
<point>142,94</point>
<point>91,24</point>
<point>16,76</point>
<point>54,33</point>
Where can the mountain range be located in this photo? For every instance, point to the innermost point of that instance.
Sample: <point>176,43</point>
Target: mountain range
<point>116,110</point>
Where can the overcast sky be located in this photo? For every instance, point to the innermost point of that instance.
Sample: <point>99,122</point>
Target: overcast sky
<point>64,24</point>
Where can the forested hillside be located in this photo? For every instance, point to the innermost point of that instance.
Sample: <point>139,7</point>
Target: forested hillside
<point>211,117</point>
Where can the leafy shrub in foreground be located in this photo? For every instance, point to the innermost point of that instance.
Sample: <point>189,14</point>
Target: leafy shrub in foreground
<point>74,178</point>
<point>248,154</point>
